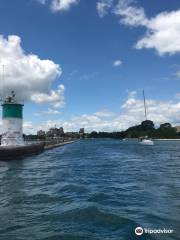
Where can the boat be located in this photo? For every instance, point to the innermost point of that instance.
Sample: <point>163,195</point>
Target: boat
<point>145,140</point>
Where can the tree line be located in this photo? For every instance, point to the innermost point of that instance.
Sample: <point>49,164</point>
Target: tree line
<point>146,128</point>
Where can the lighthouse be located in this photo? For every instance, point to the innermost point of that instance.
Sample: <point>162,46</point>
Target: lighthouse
<point>12,119</point>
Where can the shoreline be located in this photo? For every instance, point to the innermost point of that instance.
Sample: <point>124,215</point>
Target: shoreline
<point>166,139</point>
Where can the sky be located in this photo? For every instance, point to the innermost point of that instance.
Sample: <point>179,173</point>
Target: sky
<point>82,63</point>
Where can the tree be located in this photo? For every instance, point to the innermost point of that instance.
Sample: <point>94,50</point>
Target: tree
<point>94,134</point>
<point>147,125</point>
<point>166,125</point>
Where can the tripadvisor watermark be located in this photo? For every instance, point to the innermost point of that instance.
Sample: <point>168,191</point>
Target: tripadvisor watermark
<point>140,231</point>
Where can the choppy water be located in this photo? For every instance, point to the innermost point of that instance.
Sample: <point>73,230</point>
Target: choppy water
<point>92,189</point>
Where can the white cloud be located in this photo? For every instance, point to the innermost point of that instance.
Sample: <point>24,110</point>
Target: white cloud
<point>62,5</point>
<point>163,32</point>
<point>50,111</point>
<point>157,111</point>
<point>28,75</point>
<point>59,5</point>
<point>29,127</point>
<point>132,94</point>
<point>104,113</point>
<point>132,113</point>
<point>55,98</point>
<point>130,14</point>
<point>177,74</point>
<point>103,6</point>
<point>117,63</point>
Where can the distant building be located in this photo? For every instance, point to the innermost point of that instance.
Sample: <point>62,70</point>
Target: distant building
<point>58,133</point>
<point>41,133</point>
<point>61,131</point>
<point>52,132</point>
<point>72,135</point>
<point>177,129</point>
<point>55,132</point>
<point>81,132</point>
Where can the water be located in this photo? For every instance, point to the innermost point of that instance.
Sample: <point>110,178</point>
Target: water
<point>92,189</point>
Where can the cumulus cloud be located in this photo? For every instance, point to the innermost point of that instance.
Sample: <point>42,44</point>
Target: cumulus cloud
<point>131,113</point>
<point>103,6</point>
<point>162,31</point>
<point>157,111</point>
<point>54,98</point>
<point>28,75</point>
<point>117,63</point>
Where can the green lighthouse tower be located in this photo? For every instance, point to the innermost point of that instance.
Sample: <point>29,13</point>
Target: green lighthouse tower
<point>12,117</point>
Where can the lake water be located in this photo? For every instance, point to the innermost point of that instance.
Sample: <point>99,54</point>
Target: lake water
<point>92,189</point>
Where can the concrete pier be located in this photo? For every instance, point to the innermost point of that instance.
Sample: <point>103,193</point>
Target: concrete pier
<point>57,145</point>
<point>19,152</point>
<point>16,152</point>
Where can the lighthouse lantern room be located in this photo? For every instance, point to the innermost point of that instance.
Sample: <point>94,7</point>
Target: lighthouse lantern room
<point>12,119</point>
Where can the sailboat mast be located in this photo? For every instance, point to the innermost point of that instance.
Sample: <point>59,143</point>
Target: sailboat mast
<point>145,112</point>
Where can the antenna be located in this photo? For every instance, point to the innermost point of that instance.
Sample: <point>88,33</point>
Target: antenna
<point>145,112</point>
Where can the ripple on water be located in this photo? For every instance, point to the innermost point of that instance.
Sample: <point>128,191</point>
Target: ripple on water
<point>93,189</point>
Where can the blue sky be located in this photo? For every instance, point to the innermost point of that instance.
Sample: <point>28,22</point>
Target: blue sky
<point>83,39</point>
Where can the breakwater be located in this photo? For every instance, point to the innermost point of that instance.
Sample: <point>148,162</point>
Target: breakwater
<point>55,145</point>
<point>30,148</point>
